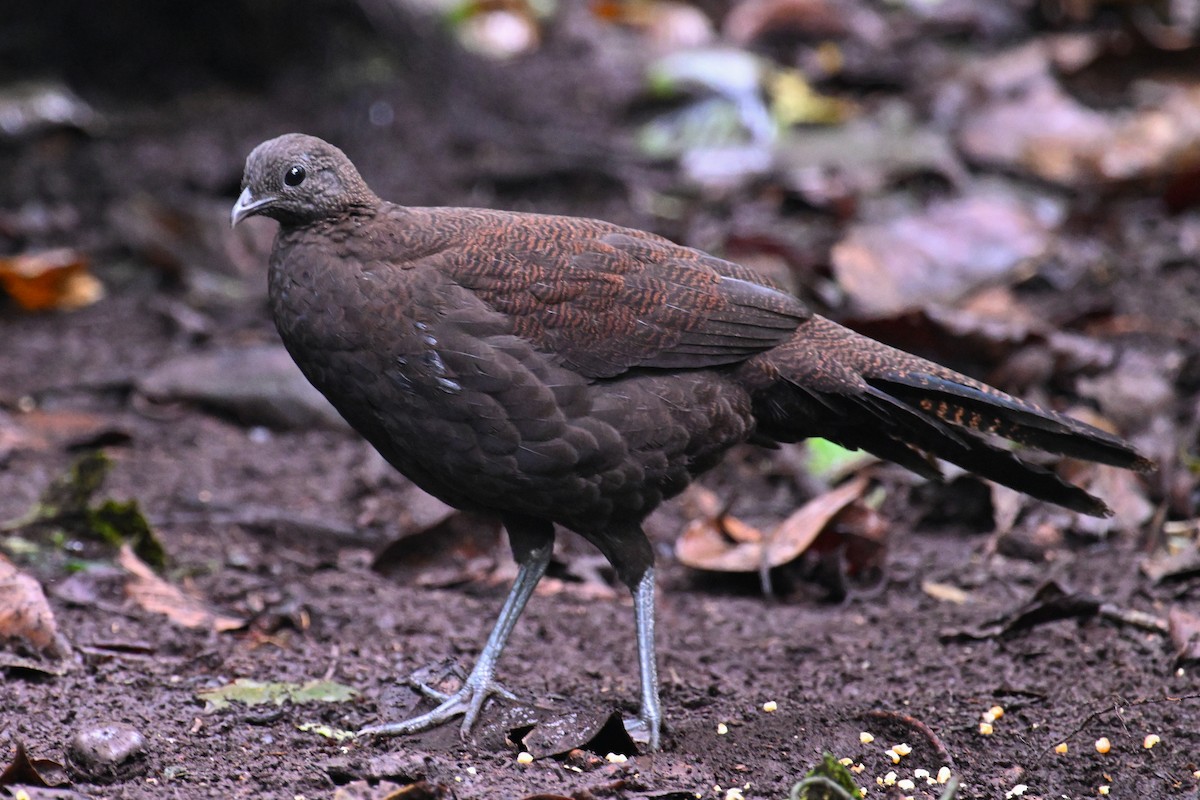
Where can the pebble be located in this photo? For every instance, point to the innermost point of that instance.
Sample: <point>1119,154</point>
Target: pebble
<point>100,751</point>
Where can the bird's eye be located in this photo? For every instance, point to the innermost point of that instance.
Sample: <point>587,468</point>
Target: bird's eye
<point>294,176</point>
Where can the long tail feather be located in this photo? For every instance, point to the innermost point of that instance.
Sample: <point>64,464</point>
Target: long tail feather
<point>829,381</point>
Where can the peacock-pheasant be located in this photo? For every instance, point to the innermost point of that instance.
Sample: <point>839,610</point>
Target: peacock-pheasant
<point>554,370</point>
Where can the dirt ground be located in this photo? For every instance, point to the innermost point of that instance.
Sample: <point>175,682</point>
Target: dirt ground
<point>287,529</point>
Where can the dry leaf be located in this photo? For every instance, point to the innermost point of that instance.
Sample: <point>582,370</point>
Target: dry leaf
<point>666,24</point>
<point>1038,126</point>
<point>457,549</point>
<point>25,614</point>
<point>50,280</point>
<point>820,19</point>
<point>156,595</point>
<point>798,531</point>
<point>857,535</point>
<point>728,545</point>
<point>1184,629</point>
<point>69,428</point>
<point>939,255</point>
<point>42,773</point>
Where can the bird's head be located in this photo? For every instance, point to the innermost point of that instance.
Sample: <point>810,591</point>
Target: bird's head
<point>298,179</point>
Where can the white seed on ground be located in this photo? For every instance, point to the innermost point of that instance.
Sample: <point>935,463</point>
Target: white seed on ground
<point>1151,740</point>
<point>616,758</point>
<point>524,758</point>
<point>986,728</point>
<point>903,749</point>
<point>770,706</point>
<point>1103,745</point>
<point>943,775</point>
<point>722,729</point>
<point>866,738</point>
<point>1061,748</point>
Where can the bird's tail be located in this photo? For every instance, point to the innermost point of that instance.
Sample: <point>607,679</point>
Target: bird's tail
<point>832,382</point>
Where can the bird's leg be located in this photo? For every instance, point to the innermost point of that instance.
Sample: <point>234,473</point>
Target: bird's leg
<point>532,543</point>
<point>649,721</point>
<point>629,551</point>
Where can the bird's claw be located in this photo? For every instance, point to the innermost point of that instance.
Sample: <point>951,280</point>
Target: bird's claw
<point>428,691</point>
<point>442,697</point>
<point>467,702</point>
<point>642,732</point>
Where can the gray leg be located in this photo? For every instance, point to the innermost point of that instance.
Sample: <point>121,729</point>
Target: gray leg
<point>649,721</point>
<point>629,551</point>
<point>480,684</point>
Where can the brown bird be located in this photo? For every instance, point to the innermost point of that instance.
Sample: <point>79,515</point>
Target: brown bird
<point>554,370</point>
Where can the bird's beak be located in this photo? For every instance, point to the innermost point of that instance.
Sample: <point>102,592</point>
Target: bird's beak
<point>247,206</point>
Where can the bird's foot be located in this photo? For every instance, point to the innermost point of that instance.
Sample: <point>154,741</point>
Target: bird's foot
<point>441,697</point>
<point>643,731</point>
<point>466,702</point>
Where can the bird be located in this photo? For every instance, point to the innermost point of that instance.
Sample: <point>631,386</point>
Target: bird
<point>563,371</point>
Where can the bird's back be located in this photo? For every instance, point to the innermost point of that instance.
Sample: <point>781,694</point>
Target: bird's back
<point>434,332</point>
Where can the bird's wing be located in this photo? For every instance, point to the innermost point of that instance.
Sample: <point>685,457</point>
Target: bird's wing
<point>605,300</point>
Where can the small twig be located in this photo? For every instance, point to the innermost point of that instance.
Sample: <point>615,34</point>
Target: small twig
<point>920,727</point>
<point>1131,616</point>
<point>335,653</point>
<point>1118,710</point>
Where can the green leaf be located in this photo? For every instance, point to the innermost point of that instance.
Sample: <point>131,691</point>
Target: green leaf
<point>337,734</point>
<point>118,523</point>
<point>829,461</point>
<point>254,693</point>
<point>828,780</point>
<point>67,510</point>
<point>65,500</point>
